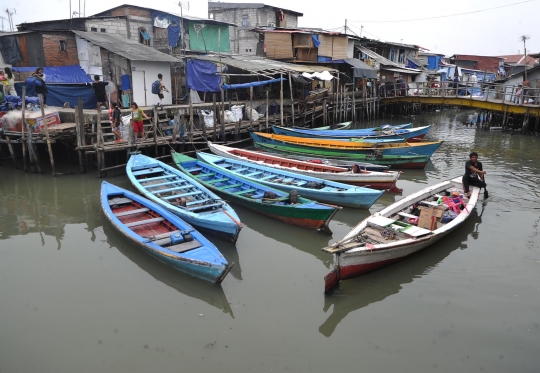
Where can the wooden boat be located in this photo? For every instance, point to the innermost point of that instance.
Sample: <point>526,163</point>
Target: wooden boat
<point>345,147</point>
<point>162,234</point>
<point>389,236</point>
<point>183,196</point>
<point>394,162</point>
<point>306,186</point>
<point>354,176</point>
<point>389,136</point>
<point>244,192</point>
<point>339,126</point>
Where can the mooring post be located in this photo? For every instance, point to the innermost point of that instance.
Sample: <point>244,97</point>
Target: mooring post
<point>281,100</point>
<point>23,124</point>
<point>251,107</point>
<point>79,141</point>
<point>44,122</point>
<point>214,112</point>
<point>222,124</point>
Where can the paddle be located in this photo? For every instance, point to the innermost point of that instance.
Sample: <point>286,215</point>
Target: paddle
<point>486,194</point>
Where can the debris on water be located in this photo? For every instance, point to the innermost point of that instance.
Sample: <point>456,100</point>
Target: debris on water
<point>201,315</point>
<point>210,344</point>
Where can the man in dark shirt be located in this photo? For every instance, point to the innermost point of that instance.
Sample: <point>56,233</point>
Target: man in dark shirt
<point>116,121</point>
<point>99,90</point>
<point>474,174</point>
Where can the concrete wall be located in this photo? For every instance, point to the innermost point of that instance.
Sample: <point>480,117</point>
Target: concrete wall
<point>119,26</point>
<point>51,47</point>
<point>151,70</point>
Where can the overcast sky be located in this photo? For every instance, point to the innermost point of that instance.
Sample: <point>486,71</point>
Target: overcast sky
<point>440,27</point>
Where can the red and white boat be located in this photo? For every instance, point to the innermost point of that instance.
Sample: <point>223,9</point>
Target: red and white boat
<point>356,176</point>
<point>388,236</point>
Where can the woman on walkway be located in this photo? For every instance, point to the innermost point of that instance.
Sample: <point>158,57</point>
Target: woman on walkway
<point>137,115</point>
<point>10,88</point>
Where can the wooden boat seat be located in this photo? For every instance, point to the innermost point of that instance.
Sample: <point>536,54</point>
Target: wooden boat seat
<point>230,186</point>
<point>131,212</point>
<point>430,203</point>
<point>195,169</point>
<point>203,207</point>
<point>155,178</point>
<point>173,196</point>
<point>167,183</point>
<point>162,235</point>
<point>404,214</point>
<point>253,174</point>
<point>245,191</point>
<point>205,175</point>
<point>215,181</point>
<point>190,193</point>
<point>301,183</point>
<point>266,177</point>
<point>142,222</point>
<point>119,201</point>
<point>148,171</point>
<point>170,189</point>
<point>198,201</point>
<point>185,246</point>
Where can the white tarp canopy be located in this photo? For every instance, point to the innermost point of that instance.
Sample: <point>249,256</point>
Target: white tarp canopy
<point>325,75</point>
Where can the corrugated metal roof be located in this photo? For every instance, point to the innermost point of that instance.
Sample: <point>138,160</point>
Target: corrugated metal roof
<point>385,61</point>
<point>260,65</point>
<point>212,4</point>
<point>126,48</point>
<point>10,33</point>
<point>402,71</point>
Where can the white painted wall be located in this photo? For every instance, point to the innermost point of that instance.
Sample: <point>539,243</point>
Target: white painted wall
<point>89,57</point>
<point>3,63</point>
<point>151,71</point>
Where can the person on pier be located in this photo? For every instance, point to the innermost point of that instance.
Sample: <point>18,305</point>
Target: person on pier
<point>474,174</point>
<point>99,90</point>
<point>41,88</point>
<point>137,115</point>
<point>116,121</point>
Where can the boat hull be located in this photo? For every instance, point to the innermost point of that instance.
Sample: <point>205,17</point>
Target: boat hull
<point>204,262</point>
<point>393,162</point>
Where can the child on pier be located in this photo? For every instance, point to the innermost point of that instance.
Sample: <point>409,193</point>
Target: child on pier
<point>116,121</point>
<point>137,115</point>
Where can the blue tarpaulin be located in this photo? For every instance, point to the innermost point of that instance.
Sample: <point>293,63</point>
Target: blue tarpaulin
<point>162,15</point>
<point>328,60</point>
<point>411,64</point>
<point>173,33</point>
<point>60,74</point>
<point>145,35</point>
<point>252,84</point>
<point>316,40</point>
<point>59,94</point>
<point>126,82</point>
<point>202,76</point>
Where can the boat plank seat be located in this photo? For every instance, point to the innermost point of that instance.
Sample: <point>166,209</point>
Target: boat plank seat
<point>245,191</point>
<point>430,203</point>
<point>170,189</point>
<point>253,174</point>
<point>172,196</point>
<point>142,222</point>
<point>148,171</point>
<point>198,201</point>
<point>301,183</point>
<point>185,246</point>
<point>162,184</point>
<point>215,181</point>
<point>202,207</point>
<point>119,201</point>
<point>162,235</point>
<point>404,214</point>
<point>194,169</point>
<point>155,178</point>
<point>190,193</point>
<point>230,186</point>
<point>131,212</point>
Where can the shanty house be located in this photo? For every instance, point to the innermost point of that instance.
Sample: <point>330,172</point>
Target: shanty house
<point>247,16</point>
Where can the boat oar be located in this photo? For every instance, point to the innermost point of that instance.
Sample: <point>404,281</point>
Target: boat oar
<point>486,194</point>
<point>233,219</point>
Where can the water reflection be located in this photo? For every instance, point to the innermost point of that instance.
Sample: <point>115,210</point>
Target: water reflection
<point>183,283</point>
<point>362,291</point>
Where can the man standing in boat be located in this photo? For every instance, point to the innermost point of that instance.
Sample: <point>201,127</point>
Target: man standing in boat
<point>474,174</point>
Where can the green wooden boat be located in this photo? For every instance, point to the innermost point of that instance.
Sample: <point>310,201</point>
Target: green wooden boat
<point>401,161</point>
<point>254,196</point>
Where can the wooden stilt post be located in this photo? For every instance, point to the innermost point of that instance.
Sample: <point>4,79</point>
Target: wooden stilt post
<point>353,116</point>
<point>292,97</point>
<point>281,100</point>
<point>190,130</point>
<point>10,147</point>
<point>267,109</point>
<point>154,132</point>
<point>79,140</point>
<point>49,146</point>
<point>250,107</point>
<point>324,111</point>
<point>176,126</point>
<point>23,125</point>
<point>214,109</point>
<point>99,157</point>
<point>223,115</point>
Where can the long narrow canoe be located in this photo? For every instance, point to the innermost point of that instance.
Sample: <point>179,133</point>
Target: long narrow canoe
<point>183,196</point>
<point>393,135</point>
<point>319,146</point>
<point>306,186</point>
<point>347,125</point>
<point>162,234</point>
<point>393,234</point>
<point>305,213</point>
<point>355,176</point>
<point>339,126</point>
<point>334,157</point>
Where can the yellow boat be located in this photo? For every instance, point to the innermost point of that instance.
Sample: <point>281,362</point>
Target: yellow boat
<point>417,148</point>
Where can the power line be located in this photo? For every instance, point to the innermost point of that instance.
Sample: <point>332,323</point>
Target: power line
<point>447,16</point>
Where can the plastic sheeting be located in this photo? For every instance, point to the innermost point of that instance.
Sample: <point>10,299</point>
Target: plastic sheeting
<point>145,35</point>
<point>411,64</point>
<point>60,94</point>
<point>202,76</point>
<point>173,34</point>
<point>325,75</point>
<point>10,49</point>
<point>252,84</point>
<point>316,41</point>
<point>60,74</point>
<point>204,37</point>
<point>126,82</point>
<point>361,69</point>
<point>163,20</point>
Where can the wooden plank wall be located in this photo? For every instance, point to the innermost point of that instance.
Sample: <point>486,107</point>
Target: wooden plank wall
<point>325,49</point>
<point>339,48</point>
<point>278,46</point>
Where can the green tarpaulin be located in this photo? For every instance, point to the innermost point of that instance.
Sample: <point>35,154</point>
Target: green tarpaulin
<point>204,37</point>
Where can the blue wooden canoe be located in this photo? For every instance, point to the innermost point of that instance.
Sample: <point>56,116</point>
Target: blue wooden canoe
<point>306,186</point>
<point>393,135</point>
<point>167,186</point>
<point>162,234</point>
<point>254,196</point>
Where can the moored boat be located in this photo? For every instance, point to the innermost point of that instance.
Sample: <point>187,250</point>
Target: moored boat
<point>346,147</point>
<point>388,135</point>
<point>354,176</point>
<point>162,234</point>
<point>306,186</point>
<point>347,125</point>
<point>257,197</point>
<point>183,196</point>
<point>338,126</point>
<point>396,232</point>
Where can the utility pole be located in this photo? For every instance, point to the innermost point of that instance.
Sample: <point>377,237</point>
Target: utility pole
<point>345,25</point>
<point>524,38</point>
